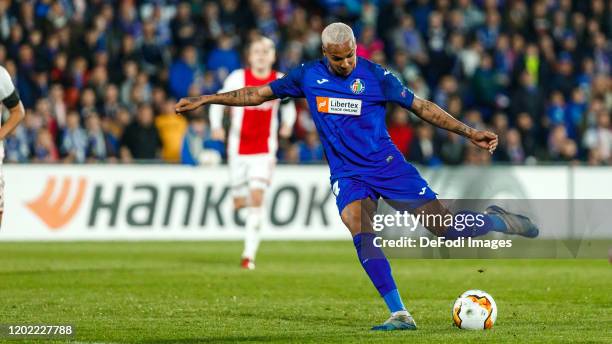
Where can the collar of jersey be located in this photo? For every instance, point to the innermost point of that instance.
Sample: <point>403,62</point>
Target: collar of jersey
<point>326,63</point>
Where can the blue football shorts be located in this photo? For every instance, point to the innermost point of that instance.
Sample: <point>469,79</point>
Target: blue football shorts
<point>403,188</point>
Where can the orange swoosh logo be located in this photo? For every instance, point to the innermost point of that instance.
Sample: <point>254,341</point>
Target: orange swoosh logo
<point>54,213</point>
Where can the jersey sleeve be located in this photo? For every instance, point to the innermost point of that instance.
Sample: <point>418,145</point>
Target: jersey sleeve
<point>289,85</point>
<point>8,93</point>
<point>394,90</point>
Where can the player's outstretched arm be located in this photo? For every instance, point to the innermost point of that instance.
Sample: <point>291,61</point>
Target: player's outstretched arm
<point>435,115</point>
<point>246,96</point>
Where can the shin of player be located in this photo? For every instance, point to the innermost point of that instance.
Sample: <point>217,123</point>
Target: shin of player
<point>12,103</point>
<point>252,140</point>
<point>357,216</point>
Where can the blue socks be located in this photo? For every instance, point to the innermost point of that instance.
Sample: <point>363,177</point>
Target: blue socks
<point>394,301</point>
<point>489,223</point>
<point>378,269</point>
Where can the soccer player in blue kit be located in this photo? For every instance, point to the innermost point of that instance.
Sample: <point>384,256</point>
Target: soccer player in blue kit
<point>347,96</point>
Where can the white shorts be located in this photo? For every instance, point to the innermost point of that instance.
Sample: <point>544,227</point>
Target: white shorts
<point>253,171</point>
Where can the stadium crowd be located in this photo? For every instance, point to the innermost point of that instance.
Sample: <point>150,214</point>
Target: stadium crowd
<point>99,79</point>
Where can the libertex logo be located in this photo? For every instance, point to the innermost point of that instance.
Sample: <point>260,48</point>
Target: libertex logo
<point>339,106</point>
<point>53,206</point>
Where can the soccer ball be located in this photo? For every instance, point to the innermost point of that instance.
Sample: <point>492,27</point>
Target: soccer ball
<point>474,310</point>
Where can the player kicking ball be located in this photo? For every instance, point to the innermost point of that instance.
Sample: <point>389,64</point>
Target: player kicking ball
<point>347,98</point>
<point>11,101</point>
<point>252,140</point>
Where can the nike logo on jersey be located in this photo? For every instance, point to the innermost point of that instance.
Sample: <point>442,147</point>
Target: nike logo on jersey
<point>322,81</point>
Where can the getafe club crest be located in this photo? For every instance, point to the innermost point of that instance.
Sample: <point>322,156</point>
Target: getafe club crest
<point>357,86</point>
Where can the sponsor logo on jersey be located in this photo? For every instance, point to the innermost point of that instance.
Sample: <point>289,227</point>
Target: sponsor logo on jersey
<point>357,86</point>
<point>339,106</point>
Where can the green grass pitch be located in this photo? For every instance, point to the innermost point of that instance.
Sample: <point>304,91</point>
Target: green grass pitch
<point>194,292</point>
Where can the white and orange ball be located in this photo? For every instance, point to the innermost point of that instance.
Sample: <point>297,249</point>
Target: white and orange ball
<point>474,310</point>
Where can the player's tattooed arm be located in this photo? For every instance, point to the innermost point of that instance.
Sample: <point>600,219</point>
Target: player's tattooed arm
<point>435,115</point>
<point>246,96</point>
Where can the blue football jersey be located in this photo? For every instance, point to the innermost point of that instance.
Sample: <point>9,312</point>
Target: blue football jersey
<point>349,113</point>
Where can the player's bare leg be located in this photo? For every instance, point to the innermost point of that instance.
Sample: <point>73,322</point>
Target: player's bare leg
<point>357,216</point>
<point>252,227</point>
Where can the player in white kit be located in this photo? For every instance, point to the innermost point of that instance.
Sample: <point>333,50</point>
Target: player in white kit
<point>16,113</point>
<point>252,140</point>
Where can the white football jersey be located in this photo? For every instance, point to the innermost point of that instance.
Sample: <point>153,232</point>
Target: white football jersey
<point>253,129</point>
<point>6,89</point>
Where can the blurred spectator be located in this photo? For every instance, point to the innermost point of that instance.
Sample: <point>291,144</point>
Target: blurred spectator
<point>44,148</point>
<point>368,43</point>
<point>598,140</point>
<point>452,149</point>
<point>223,59</point>
<point>555,113</point>
<point>210,83</point>
<point>101,145</point>
<point>182,26</point>
<point>16,146</point>
<point>209,22</point>
<point>291,155</point>
<point>110,103</point>
<point>404,68</point>
<point>197,146</point>
<point>557,141</point>
<point>448,88</point>
<point>140,140</point>
<point>528,97</point>
<point>409,39</point>
<point>473,16</point>
<point>183,72</point>
<point>602,54</point>
<point>500,125</point>
<point>423,149</point>
<point>574,113</point>
<point>87,105</point>
<point>400,131</point>
<point>172,128</point>
<point>74,140</point>
<point>563,80</point>
<point>58,106</point>
<point>153,55</point>
<point>487,34</point>
<point>513,147</point>
<point>528,133</point>
<point>485,84</point>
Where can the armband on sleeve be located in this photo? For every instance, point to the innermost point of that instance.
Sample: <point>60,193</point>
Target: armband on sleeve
<point>12,100</point>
